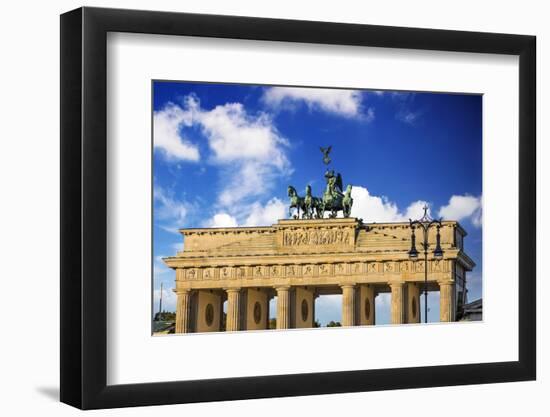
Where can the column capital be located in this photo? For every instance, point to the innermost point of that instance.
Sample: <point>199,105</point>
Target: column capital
<point>396,283</point>
<point>282,288</point>
<point>182,290</point>
<point>348,285</point>
<point>446,282</point>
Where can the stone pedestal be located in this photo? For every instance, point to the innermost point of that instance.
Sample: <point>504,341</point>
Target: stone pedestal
<point>183,311</point>
<point>233,309</point>
<point>348,305</point>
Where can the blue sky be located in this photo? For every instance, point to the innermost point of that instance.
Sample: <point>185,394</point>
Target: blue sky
<point>225,154</point>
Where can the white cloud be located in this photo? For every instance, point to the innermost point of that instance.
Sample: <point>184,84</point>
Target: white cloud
<point>170,211</point>
<point>166,135</point>
<point>222,220</point>
<point>404,100</point>
<point>159,267</point>
<point>235,135</point>
<point>379,209</point>
<point>383,299</point>
<point>169,298</point>
<point>259,215</point>
<point>408,116</point>
<point>266,215</point>
<point>345,103</point>
<point>416,210</point>
<point>248,147</point>
<point>373,208</point>
<point>247,179</point>
<point>369,117</point>
<point>328,308</point>
<point>463,207</point>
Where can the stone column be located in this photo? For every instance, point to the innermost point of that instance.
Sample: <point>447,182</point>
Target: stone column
<point>397,301</point>
<point>283,307</point>
<point>348,305</point>
<point>446,301</point>
<point>183,311</point>
<point>233,309</point>
<point>413,303</point>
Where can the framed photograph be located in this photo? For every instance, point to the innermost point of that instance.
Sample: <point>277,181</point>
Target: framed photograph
<point>281,208</point>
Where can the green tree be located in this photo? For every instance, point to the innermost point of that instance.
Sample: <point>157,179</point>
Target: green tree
<point>165,316</point>
<point>334,324</point>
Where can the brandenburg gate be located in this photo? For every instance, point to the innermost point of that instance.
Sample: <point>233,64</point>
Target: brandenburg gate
<point>299,259</point>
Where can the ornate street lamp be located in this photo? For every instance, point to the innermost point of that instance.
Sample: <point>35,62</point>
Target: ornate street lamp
<point>425,223</point>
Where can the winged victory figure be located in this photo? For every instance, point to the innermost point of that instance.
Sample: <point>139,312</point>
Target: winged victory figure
<point>326,151</point>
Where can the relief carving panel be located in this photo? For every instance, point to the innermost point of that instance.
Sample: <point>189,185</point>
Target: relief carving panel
<point>329,236</point>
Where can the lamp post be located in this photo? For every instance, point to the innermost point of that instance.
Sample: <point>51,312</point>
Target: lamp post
<point>425,223</point>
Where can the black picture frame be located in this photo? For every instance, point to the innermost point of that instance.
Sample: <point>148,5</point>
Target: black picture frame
<point>84,207</point>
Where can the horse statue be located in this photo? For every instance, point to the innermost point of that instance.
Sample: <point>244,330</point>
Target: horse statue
<point>333,198</point>
<point>296,202</point>
<point>312,205</point>
<point>347,201</point>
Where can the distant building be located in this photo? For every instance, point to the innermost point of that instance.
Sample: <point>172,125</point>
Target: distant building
<point>473,311</point>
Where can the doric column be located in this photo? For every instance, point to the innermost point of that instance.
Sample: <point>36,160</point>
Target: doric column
<point>183,311</point>
<point>446,301</point>
<point>348,305</point>
<point>283,307</point>
<point>233,309</point>
<point>397,301</point>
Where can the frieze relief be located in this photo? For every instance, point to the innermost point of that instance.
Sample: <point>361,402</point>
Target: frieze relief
<point>308,271</point>
<point>357,268</point>
<point>291,270</point>
<point>240,272</point>
<point>340,269</point>
<point>258,272</point>
<point>209,273</point>
<point>225,273</point>
<point>311,270</point>
<point>419,266</point>
<point>192,274</point>
<point>305,237</point>
<point>324,269</point>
